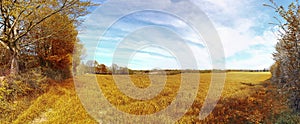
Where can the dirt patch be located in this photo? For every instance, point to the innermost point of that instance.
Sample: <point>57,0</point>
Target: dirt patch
<point>42,117</point>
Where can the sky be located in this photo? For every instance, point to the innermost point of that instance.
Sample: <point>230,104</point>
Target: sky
<point>148,38</point>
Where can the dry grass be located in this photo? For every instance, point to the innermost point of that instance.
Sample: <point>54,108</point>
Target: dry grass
<point>59,105</point>
<point>246,98</point>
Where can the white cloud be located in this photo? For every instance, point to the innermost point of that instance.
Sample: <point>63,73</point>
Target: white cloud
<point>259,60</point>
<point>233,40</point>
<point>147,61</point>
<point>237,22</point>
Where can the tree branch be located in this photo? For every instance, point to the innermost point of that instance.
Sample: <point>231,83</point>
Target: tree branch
<point>64,6</point>
<point>4,44</point>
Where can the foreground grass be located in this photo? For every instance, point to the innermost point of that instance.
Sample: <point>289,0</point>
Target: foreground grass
<point>247,98</point>
<point>59,105</point>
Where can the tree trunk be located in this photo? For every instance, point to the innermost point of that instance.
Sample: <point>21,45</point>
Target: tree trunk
<point>14,67</point>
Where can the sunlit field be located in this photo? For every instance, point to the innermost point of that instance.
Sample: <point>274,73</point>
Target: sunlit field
<point>247,98</point>
<point>132,62</point>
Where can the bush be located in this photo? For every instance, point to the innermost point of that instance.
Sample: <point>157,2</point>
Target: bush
<point>14,86</point>
<point>57,74</point>
<point>287,117</point>
<point>17,90</point>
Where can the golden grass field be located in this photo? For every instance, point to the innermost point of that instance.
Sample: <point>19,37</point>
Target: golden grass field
<point>247,97</point>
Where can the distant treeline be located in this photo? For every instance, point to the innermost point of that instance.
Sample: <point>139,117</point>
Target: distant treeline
<point>93,67</point>
<point>263,70</point>
<point>174,71</point>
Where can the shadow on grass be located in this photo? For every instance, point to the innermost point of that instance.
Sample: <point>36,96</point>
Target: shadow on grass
<point>263,105</point>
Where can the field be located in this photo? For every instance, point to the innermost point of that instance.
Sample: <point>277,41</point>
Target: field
<point>247,97</point>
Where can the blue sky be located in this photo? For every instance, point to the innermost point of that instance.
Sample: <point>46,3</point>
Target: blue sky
<point>150,39</point>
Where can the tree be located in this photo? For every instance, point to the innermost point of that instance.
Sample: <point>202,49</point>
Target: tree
<point>123,70</point>
<point>78,55</point>
<point>82,69</point>
<point>92,66</point>
<point>286,70</point>
<point>114,68</point>
<point>19,17</point>
<point>101,69</point>
<point>54,54</point>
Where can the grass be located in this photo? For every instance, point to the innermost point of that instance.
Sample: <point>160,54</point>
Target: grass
<point>248,97</point>
<point>59,105</point>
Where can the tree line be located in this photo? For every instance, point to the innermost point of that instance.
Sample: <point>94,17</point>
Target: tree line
<point>286,69</point>
<point>94,67</point>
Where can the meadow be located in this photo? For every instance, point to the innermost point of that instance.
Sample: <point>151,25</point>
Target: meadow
<point>247,97</point>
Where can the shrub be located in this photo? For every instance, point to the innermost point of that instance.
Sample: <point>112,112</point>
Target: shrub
<point>287,117</point>
<point>14,86</point>
<point>15,92</point>
<point>57,74</point>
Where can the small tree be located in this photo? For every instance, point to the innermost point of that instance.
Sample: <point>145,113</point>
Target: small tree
<point>102,69</point>
<point>114,68</point>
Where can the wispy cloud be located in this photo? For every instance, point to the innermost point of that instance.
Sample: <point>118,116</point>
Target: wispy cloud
<point>242,25</point>
<point>243,28</point>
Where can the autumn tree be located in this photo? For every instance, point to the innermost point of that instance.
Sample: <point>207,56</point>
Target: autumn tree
<point>286,70</point>
<point>19,17</point>
<point>101,69</point>
<point>54,53</point>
